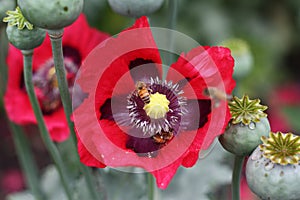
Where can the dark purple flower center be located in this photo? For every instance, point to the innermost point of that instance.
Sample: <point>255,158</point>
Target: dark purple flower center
<point>151,126</point>
<point>155,133</point>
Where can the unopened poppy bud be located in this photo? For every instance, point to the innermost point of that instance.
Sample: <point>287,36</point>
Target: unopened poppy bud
<point>135,8</point>
<point>52,15</point>
<point>242,55</point>
<point>273,169</point>
<point>247,125</point>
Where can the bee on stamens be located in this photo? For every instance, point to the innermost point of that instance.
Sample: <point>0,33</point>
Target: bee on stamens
<point>143,91</point>
<point>163,137</point>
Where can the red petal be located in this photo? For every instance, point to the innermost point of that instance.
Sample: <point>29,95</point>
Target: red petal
<point>18,107</point>
<point>86,157</point>
<point>57,125</point>
<point>165,175</point>
<point>15,68</point>
<point>208,67</point>
<point>139,23</point>
<point>217,124</point>
<point>82,37</point>
<point>19,110</point>
<point>111,75</point>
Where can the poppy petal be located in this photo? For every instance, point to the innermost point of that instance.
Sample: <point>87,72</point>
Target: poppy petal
<point>205,67</point>
<point>86,157</point>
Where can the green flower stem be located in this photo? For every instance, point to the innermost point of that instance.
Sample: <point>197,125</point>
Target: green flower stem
<point>172,21</point>
<point>151,187</point>
<point>27,56</point>
<point>236,175</point>
<point>89,181</point>
<point>3,53</point>
<point>173,6</point>
<point>26,160</point>
<point>56,42</point>
<point>23,150</point>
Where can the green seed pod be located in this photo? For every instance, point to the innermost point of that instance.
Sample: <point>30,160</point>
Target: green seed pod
<point>21,33</point>
<point>135,8</point>
<point>246,127</point>
<point>25,39</point>
<point>6,5</point>
<point>273,169</point>
<point>52,15</point>
<point>241,139</point>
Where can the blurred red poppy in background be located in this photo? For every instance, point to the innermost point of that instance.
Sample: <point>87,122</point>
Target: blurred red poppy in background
<point>284,108</point>
<point>78,40</point>
<point>12,180</point>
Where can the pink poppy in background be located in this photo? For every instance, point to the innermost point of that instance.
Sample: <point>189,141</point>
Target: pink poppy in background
<point>12,181</point>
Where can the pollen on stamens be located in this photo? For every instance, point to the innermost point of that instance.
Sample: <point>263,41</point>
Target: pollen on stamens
<point>163,113</point>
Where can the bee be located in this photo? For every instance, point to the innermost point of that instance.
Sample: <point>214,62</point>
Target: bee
<point>217,95</point>
<point>143,91</point>
<point>163,137</point>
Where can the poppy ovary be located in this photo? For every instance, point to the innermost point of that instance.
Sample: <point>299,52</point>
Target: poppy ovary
<point>158,106</point>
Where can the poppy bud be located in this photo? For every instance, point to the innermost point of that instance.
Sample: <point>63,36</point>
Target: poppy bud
<point>25,39</point>
<point>6,5</point>
<point>135,8</point>
<point>242,55</point>
<point>21,33</point>
<point>52,15</point>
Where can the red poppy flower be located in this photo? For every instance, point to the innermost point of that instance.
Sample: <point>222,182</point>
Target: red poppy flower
<point>79,39</point>
<point>133,117</point>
